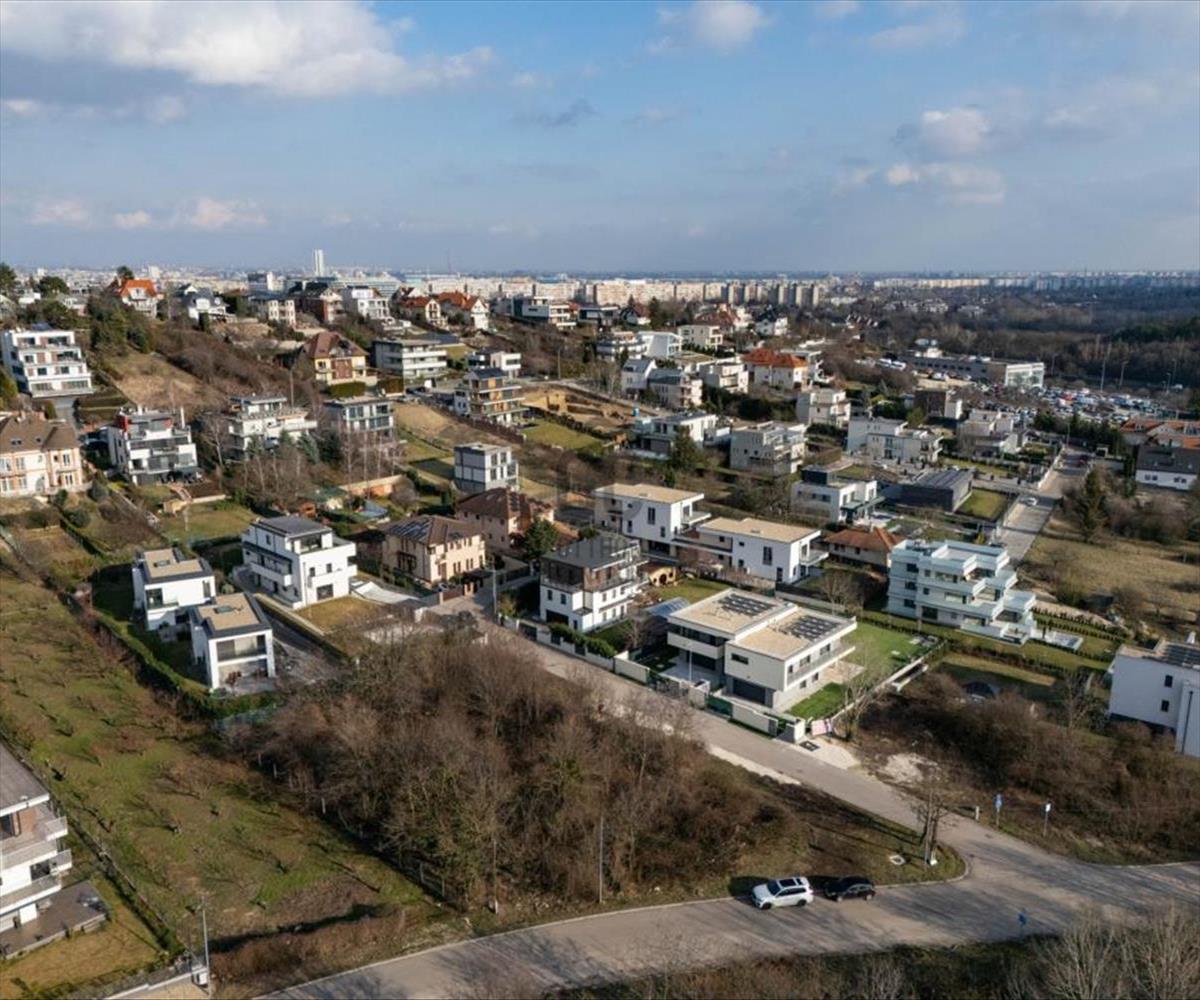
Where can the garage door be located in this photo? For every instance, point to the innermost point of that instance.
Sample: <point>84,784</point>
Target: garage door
<point>751,692</point>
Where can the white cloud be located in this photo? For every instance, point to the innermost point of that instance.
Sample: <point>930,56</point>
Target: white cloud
<point>715,24</point>
<point>531,81</point>
<point>957,183</point>
<point>318,49</point>
<point>951,133</point>
<point>137,219</point>
<point>853,176</point>
<point>60,212</point>
<point>213,214</point>
<point>937,24</point>
<point>23,107</point>
<point>835,10</point>
<point>159,110</point>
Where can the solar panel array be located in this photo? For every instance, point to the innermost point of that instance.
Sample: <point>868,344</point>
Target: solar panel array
<point>1182,654</point>
<point>744,604</point>
<point>808,627</point>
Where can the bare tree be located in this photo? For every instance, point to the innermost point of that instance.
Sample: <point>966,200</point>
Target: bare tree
<point>840,587</point>
<point>935,799</point>
<point>859,693</point>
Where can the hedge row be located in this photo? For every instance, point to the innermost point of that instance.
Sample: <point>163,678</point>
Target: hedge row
<point>593,644</point>
<point>1084,626</point>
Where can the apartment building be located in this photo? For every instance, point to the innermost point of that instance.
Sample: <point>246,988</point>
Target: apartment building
<point>773,369</point>
<point>658,435</point>
<point>590,583</point>
<point>617,344</point>
<point>988,433</point>
<point>892,441</point>
<point>366,303</point>
<point>502,516</point>
<point>780,553</point>
<point>653,515</point>
<point>970,587</point>
<point>33,858</point>
<point>362,415</point>
<point>828,498</point>
<point>432,549</point>
<point>541,309</point>
<point>1023,374</point>
<point>1160,687</point>
<point>232,640</point>
<point>45,362</point>
<point>141,295</point>
<point>335,359</point>
<point>418,361</point>
<point>489,394</point>
<point>481,467</point>
<point>166,583</point>
<point>273,307</point>
<point>762,649</point>
<point>297,561</point>
<point>258,423</point>
<point>828,407</point>
<point>675,388</point>
<point>508,362</point>
<point>38,457</point>
<point>152,446</point>
<point>706,336</point>
<point>768,448</point>
<point>726,374</point>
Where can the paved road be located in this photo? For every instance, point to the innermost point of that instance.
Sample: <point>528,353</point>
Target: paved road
<point>1024,521</point>
<point>1005,877</point>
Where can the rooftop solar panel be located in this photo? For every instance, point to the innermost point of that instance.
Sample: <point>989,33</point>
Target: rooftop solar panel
<point>1182,654</point>
<point>743,604</point>
<point>808,627</point>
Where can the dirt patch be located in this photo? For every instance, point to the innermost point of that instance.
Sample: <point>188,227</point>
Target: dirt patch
<point>149,380</point>
<point>905,768</point>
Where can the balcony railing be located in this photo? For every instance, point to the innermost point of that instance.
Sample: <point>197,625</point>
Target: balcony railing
<point>38,887</point>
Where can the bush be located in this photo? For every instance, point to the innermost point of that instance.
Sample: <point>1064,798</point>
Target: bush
<point>98,491</point>
<point>600,647</point>
<point>347,390</point>
<point>79,517</point>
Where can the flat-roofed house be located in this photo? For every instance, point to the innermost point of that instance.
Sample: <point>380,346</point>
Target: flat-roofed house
<point>591,582</point>
<point>1160,687</point>
<point>166,583</point>
<point>231,640</point>
<point>652,515</point>
<point>767,550</point>
<point>297,561</point>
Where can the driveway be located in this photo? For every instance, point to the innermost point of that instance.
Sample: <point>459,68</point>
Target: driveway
<point>1025,521</point>
<point>1006,878</point>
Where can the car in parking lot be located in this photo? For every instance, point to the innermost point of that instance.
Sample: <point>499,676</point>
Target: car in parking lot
<point>850,887</point>
<point>791,891</point>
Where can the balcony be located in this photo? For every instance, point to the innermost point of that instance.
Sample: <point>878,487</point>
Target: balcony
<point>16,898</point>
<point>39,846</point>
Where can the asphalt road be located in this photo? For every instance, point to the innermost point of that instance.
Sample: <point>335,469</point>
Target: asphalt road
<point>1025,521</point>
<point>1006,878</point>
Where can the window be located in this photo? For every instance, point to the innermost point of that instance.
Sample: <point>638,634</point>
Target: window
<point>768,555</point>
<point>1168,681</point>
<point>738,658</point>
<point>324,593</point>
<point>651,515</point>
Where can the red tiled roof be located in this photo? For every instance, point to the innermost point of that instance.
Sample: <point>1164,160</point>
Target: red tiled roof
<point>145,284</point>
<point>415,302</point>
<point>764,356</point>
<point>325,342</point>
<point>872,539</point>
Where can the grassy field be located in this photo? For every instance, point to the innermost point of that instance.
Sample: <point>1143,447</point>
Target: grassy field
<point>549,433</point>
<point>206,521</point>
<point>982,467</point>
<point>822,704</point>
<point>151,380</point>
<point>416,451</point>
<point>341,612</point>
<point>55,552</point>
<point>182,819</point>
<point>964,668</point>
<point>984,504</point>
<point>427,423</point>
<point>693,588</point>
<point>877,645</point>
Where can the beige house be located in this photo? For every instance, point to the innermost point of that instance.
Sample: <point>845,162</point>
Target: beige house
<point>335,359</point>
<point>432,549</point>
<point>503,516</point>
<point>38,457</point>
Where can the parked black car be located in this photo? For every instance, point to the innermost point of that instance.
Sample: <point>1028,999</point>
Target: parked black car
<point>850,887</point>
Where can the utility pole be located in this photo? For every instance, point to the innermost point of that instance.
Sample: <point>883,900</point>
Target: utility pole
<point>204,931</point>
<point>600,866</point>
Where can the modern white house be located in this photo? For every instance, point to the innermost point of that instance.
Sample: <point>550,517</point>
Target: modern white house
<point>365,302</point>
<point>297,561</point>
<point>33,855</point>
<point>617,344</point>
<point>989,432</point>
<point>231,640</point>
<point>768,448</point>
<point>829,498</point>
<point>371,415</point>
<point>417,360</point>
<point>768,550</point>
<point>661,344</point>
<point>823,406</point>
<point>489,394</point>
<point>166,583</point>
<point>260,422</point>
<point>152,446</point>
<point>657,435</point>
<point>762,649</point>
<point>590,583</point>
<point>45,362</point>
<point>675,388</point>
<point>771,326</point>
<point>635,374</point>
<point>508,362</point>
<point>706,336</point>
<point>969,587</point>
<point>1161,687</point>
<point>653,515</point>
<point>892,441</point>
<point>479,467</point>
<point>727,374</point>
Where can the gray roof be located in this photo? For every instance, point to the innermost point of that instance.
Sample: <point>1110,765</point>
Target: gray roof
<point>944,478</point>
<point>1181,461</point>
<point>592,553</point>
<point>18,785</point>
<point>291,526</point>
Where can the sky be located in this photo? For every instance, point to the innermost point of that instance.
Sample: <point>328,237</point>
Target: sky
<point>627,137</point>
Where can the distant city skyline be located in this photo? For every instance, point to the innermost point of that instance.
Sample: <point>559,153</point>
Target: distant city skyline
<point>675,138</point>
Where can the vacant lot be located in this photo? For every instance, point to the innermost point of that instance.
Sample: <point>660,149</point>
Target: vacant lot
<point>549,433</point>
<point>1027,683</point>
<point>437,428</point>
<point>184,821</point>
<point>151,380</point>
<point>984,504</point>
<point>694,589</point>
<point>205,522</point>
<point>54,553</point>
<point>341,612</point>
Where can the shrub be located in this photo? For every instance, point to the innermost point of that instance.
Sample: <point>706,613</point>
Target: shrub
<point>99,488</point>
<point>600,647</point>
<point>347,389</point>
<point>79,517</point>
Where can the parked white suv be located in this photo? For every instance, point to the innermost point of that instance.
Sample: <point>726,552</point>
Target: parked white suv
<point>794,891</point>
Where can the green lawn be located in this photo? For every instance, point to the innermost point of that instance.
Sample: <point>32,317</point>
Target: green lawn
<point>879,646</point>
<point>1027,683</point>
<point>549,433</point>
<point>694,589</point>
<point>416,451</point>
<point>995,470</point>
<point>617,634</point>
<point>202,522</point>
<point>984,504</point>
<point>820,705</point>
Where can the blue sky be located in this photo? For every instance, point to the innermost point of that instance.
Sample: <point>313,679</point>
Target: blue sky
<point>637,137</point>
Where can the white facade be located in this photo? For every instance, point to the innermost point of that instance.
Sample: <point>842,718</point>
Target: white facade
<point>707,336</point>
<point>46,363</point>
<point>823,406</point>
<point>297,561</point>
<point>166,583</point>
<point>261,421</point>
<point>38,457</point>
<point>508,362</point>
<point>662,344</point>
<point>635,374</point>
<point>653,515</point>
<point>1160,687</point>
<point>616,344</point>
<point>989,432</point>
<point>970,587</point>
<point>362,415</point>
<point>728,374</point>
<point>768,448</point>
<point>232,639</point>
<point>772,327</point>
<point>274,309</point>
<point>479,467</point>
<point>835,500</point>
<point>780,553</point>
<point>365,302</point>
<point>892,441</point>
<point>590,583</point>
<point>152,446</point>
<point>675,388</point>
<point>658,434</point>
<point>418,362</point>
